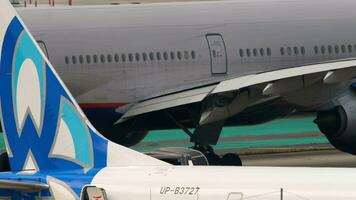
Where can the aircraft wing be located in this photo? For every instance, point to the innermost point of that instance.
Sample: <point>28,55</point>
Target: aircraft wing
<point>337,71</point>
<point>168,101</point>
<point>23,186</point>
<point>270,84</point>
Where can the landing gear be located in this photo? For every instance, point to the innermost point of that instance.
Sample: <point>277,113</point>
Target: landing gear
<point>229,159</point>
<point>206,135</point>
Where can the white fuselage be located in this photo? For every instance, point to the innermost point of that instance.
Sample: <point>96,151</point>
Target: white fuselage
<point>226,183</point>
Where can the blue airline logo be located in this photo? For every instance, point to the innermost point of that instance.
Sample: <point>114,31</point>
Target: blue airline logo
<point>44,129</point>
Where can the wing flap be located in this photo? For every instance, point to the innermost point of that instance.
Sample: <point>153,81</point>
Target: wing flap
<point>168,101</point>
<point>340,75</point>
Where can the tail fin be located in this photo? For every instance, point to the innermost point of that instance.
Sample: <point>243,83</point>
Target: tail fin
<point>44,127</point>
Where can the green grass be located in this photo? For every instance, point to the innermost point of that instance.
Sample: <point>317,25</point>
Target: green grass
<point>276,127</point>
<point>155,139</point>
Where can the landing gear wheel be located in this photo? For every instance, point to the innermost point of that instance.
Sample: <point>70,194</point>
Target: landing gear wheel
<point>4,162</point>
<point>209,153</point>
<point>231,159</point>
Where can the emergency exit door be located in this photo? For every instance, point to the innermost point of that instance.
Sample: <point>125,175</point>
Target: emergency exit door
<point>218,57</point>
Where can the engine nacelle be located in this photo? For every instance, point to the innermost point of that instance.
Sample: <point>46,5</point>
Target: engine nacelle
<point>339,124</point>
<point>125,137</point>
<point>104,121</point>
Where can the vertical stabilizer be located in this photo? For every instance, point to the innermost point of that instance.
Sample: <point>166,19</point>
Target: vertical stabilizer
<point>43,125</point>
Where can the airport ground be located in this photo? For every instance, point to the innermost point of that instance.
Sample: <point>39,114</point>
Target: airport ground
<point>293,141</point>
<point>320,158</point>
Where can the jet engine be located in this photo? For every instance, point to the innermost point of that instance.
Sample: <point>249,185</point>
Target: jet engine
<point>339,124</point>
<point>104,121</point>
<point>126,138</point>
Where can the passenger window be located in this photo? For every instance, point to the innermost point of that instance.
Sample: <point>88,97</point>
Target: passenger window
<point>179,55</point>
<point>144,56</point>
<point>269,52</point>
<point>330,49</point>
<point>262,52</point>
<point>296,51</point>
<point>186,55</point>
<point>152,57</point>
<point>116,57</point>
<point>302,50</point>
<point>193,54</point>
<point>123,57</point>
<point>109,58</point>
<point>81,59</point>
<point>322,49</point>
<point>88,59</point>
<point>158,55</point>
<point>282,51</point>
<point>66,59</point>
<point>289,51</point>
<point>349,47</point>
<point>165,56</point>
<point>130,57</point>
<point>336,48</point>
<point>137,56</point>
<point>95,58</point>
<point>74,60</point>
<point>343,48</point>
<point>172,55</point>
<point>241,52</point>
<point>254,52</point>
<point>248,52</point>
<point>102,58</point>
<point>214,53</point>
<point>316,50</point>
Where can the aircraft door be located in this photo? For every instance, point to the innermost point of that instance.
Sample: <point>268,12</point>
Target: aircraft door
<point>43,47</point>
<point>235,196</point>
<point>93,193</point>
<point>218,57</point>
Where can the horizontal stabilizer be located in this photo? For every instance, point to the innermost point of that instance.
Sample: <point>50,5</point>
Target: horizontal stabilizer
<point>23,186</point>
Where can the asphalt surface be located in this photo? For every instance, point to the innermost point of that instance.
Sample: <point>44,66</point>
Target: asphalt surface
<point>324,158</point>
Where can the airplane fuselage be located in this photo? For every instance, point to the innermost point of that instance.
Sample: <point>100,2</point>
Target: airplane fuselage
<point>205,183</point>
<point>111,55</point>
